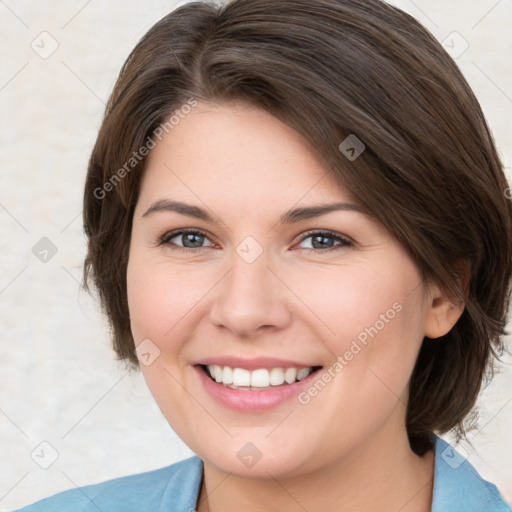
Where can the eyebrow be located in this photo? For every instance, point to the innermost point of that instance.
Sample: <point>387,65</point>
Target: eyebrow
<point>290,217</point>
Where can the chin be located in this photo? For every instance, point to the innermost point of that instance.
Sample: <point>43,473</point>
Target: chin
<point>247,461</point>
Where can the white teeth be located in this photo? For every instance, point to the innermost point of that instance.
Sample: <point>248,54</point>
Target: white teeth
<point>241,377</point>
<point>276,376</point>
<point>260,378</point>
<point>227,375</point>
<point>302,373</point>
<point>217,373</point>
<point>290,374</point>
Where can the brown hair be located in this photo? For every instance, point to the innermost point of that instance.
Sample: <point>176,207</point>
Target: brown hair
<point>430,172</point>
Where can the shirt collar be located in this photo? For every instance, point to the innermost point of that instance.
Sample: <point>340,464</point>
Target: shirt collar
<point>457,485</point>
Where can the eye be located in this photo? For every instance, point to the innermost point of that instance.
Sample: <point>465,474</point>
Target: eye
<point>191,239</point>
<point>325,241</point>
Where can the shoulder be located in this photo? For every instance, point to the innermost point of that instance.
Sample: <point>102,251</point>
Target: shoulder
<point>459,487</point>
<point>171,488</point>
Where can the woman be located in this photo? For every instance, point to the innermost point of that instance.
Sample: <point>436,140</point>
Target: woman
<point>298,228</point>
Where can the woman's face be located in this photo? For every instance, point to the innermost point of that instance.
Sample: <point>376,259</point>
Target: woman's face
<point>244,278</point>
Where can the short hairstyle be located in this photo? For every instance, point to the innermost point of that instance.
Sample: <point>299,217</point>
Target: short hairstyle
<point>430,172</point>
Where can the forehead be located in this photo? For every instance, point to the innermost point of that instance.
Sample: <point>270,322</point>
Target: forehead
<point>236,147</point>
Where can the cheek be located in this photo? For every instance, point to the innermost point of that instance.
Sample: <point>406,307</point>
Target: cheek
<point>147,302</point>
<point>370,316</point>
<point>346,301</point>
<point>157,298</point>
<point>163,301</point>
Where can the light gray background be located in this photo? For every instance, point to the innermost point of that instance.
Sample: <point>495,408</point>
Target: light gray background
<point>60,383</point>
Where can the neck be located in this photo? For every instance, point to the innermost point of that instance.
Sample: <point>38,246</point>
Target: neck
<point>383,473</point>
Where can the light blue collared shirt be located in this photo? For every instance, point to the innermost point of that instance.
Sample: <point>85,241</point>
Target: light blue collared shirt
<point>175,488</point>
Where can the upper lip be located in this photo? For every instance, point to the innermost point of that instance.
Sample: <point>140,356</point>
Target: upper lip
<point>253,363</point>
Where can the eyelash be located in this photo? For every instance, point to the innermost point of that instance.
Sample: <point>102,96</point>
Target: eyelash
<point>166,237</point>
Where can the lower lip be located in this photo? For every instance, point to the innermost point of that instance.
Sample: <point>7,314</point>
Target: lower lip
<point>252,401</point>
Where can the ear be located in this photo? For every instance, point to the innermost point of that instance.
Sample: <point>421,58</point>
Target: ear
<point>442,313</point>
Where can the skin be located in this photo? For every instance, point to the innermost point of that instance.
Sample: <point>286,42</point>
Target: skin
<point>347,449</point>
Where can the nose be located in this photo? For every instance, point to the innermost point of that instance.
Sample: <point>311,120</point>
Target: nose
<point>251,300</point>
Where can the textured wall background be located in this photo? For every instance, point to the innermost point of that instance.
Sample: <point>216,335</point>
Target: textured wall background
<point>60,383</point>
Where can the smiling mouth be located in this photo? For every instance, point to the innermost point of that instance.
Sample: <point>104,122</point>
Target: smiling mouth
<point>259,379</point>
